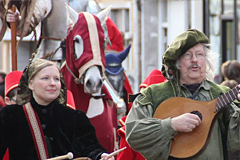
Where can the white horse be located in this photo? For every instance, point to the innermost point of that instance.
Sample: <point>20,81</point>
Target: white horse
<point>83,70</point>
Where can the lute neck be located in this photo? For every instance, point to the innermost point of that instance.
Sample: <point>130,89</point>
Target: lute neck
<point>226,98</point>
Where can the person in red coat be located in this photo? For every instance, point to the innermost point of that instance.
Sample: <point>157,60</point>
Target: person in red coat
<point>129,154</point>
<point>11,83</point>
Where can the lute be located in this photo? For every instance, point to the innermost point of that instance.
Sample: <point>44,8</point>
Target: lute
<point>191,144</point>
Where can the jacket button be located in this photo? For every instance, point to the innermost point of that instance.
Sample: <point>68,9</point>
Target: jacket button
<point>44,126</point>
<point>44,111</point>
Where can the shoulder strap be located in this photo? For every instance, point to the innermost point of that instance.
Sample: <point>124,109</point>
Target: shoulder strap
<point>36,130</point>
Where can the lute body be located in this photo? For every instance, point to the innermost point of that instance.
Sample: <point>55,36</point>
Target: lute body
<point>188,145</point>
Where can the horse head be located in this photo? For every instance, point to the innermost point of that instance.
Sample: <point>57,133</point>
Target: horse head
<point>114,69</point>
<point>83,71</point>
<point>85,57</point>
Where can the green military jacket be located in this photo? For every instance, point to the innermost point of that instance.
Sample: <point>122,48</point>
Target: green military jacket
<point>152,137</point>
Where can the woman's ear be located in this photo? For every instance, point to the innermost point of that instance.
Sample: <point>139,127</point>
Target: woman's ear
<point>30,85</point>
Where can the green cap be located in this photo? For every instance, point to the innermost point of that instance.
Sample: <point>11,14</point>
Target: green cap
<point>180,45</point>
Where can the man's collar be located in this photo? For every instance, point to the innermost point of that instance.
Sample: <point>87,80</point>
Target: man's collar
<point>205,84</point>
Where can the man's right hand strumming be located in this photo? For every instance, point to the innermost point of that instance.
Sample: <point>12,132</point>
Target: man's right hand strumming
<point>185,122</point>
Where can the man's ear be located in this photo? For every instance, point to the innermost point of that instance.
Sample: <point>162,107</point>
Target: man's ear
<point>7,100</point>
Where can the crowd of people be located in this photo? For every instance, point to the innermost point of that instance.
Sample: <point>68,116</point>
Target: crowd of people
<point>37,120</point>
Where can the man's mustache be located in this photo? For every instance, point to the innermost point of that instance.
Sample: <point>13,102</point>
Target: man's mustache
<point>194,65</point>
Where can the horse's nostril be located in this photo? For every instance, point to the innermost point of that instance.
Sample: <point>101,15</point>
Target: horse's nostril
<point>100,84</point>
<point>89,84</point>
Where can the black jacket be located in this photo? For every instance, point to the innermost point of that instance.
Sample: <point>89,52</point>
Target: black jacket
<point>65,129</point>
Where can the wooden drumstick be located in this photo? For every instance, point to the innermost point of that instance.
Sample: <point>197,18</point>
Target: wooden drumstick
<point>67,156</point>
<point>115,153</point>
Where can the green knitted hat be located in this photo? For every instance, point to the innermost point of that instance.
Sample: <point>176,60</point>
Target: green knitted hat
<point>180,45</point>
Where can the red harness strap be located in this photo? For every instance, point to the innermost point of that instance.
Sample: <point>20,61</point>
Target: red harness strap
<point>36,130</point>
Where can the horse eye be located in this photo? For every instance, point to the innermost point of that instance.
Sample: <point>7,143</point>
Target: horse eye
<point>76,40</point>
<point>78,46</point>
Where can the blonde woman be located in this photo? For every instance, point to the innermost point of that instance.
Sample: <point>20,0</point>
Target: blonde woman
<point>41,126</point>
